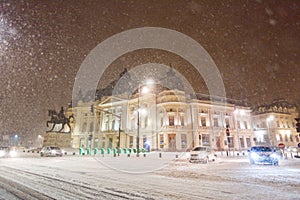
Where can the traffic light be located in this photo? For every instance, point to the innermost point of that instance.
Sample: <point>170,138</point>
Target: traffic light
<point>298,125</point>
<point>90,137</point>
<point>228,135</point>
<point>92,108</point>
<point>227,132</point>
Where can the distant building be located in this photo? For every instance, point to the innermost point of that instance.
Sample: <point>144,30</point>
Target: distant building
<point>275,123</point>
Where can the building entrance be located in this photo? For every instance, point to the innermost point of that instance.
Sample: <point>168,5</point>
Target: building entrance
<point>172,142</point>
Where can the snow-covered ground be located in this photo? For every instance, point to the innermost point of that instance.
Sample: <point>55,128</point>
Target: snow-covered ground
<point>95,177</point>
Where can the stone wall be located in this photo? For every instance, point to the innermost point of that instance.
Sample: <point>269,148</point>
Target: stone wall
<point>57,139</point>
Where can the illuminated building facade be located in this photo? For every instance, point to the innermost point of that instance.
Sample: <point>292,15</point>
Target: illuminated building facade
<point>275,123</point>
<point>168,120</point>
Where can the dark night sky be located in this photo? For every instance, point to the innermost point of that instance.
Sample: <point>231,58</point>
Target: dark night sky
<point>255,45</point>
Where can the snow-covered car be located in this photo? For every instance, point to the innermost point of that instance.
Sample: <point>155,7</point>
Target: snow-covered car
<point>4,151</point>
<point>263,155</point>
<point>51,151</point>
<point>7,152</point>
<point>202,154</point>
<point>292,149</point>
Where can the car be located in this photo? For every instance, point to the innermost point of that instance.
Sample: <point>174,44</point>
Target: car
<point>51,151</point>
<point>263,155</point>
<point>292,149</point>
<point>7,152</point>
<point>202,154</point>
<point>4,151</point>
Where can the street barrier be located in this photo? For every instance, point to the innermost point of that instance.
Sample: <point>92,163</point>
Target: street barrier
<point>115,150</point>
<point>108,150</point>
<point>120,151</point>
<point>88,151</point>
<point>96,151</point>
<point>81,151</point>
<point>103,151</point>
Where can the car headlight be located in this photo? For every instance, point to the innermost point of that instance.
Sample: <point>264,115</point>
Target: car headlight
<point>12,153</point>
<point>254,156</point>
<point>2,153</point>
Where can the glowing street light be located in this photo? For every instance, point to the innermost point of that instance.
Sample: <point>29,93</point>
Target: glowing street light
<point>144,90</point>
<point>16,137</point>
<point>270,118</point>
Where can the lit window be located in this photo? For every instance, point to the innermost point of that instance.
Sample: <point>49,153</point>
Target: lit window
<point>182,120</point>
<point>246,125</point>
<point>216,122</point>
<point>238,124</point>
<point>171,120</point>
<point>203,121</point>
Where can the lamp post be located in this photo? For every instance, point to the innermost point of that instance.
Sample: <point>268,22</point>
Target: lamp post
<point>144,90</point>
<point>138,126</point>
<point>40,140</point>
<point>270,118</point>
<point>16,137</point>
<point>236,111</point>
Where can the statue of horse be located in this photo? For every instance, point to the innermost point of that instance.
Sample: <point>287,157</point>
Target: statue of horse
<point>58,119</point>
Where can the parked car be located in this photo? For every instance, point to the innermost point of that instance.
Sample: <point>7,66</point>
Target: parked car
<point>202,154</point>
<point>263,155</point>
<point>4,151</point>
<point>51,151</point>
<point>292,149</point>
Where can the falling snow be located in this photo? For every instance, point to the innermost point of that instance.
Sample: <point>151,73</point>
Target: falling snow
<point>255,45</point>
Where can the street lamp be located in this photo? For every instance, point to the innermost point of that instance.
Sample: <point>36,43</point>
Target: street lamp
<point>236,112</point>
<point>40,140</point>
<point>144,91</point>
<point>16,138</point>
<point>270,118</point>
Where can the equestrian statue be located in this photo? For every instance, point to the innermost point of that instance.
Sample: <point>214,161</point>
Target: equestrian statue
<point>59,118</point>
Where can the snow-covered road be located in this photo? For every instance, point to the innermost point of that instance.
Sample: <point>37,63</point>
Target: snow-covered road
<point>75,177</point>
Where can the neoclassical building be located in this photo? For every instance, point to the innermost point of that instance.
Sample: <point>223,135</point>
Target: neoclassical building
<point>169,120</point>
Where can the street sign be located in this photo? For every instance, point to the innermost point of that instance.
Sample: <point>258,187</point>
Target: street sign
<point>281,145</point>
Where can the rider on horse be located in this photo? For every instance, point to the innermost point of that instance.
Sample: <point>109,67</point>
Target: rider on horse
<point>61,114</point>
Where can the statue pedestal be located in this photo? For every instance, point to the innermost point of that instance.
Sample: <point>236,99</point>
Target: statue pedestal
<point>57,139</point>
